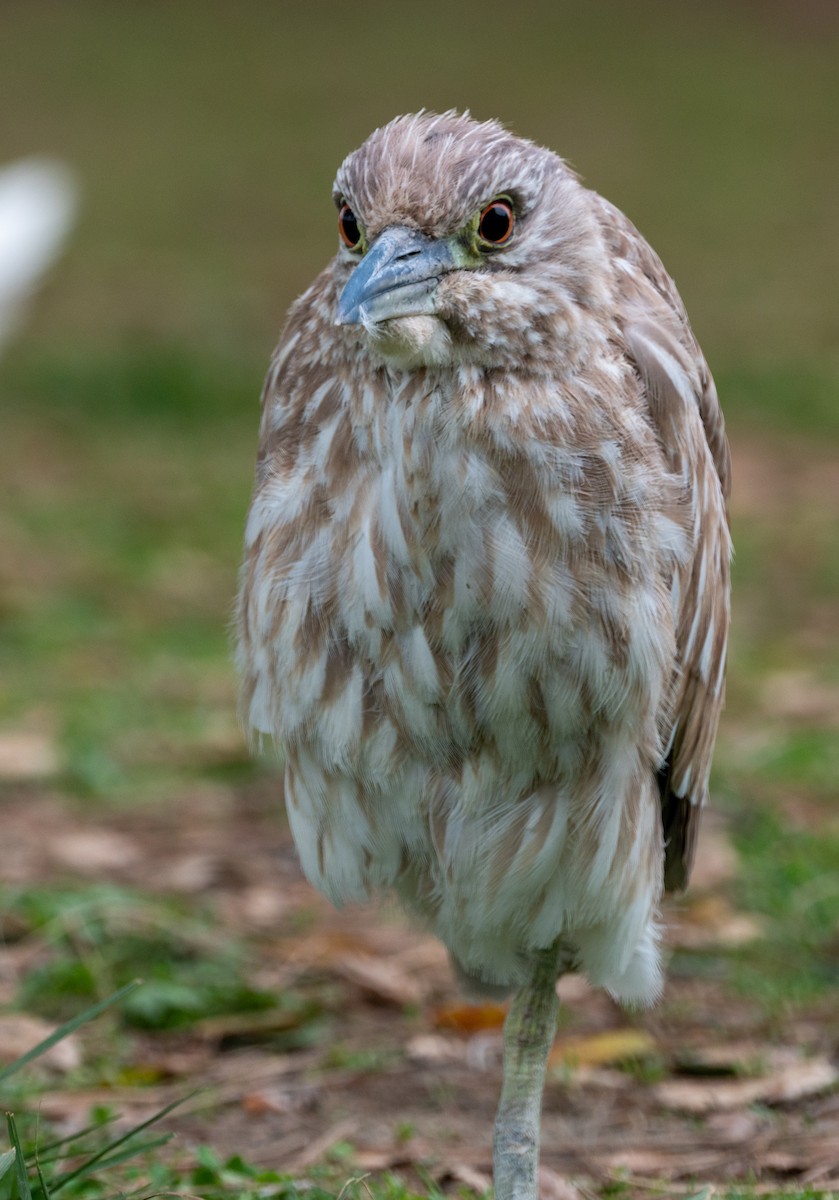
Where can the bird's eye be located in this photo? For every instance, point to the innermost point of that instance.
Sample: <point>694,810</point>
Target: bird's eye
<point>495,224</point>
<point>349,227</point>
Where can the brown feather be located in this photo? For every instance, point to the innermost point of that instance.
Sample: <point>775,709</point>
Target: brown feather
<point>657,331</point>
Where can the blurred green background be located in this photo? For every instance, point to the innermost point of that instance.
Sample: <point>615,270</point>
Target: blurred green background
<point>206,136</point>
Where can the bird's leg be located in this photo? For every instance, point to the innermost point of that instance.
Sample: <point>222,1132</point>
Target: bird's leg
<point>528,1035</point>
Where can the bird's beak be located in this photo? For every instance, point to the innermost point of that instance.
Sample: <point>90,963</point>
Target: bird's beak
<point>397,277</point>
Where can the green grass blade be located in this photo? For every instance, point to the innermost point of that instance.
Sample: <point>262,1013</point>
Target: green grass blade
<point>113,1160</point>
<point>95,1127</point>
<point>6,1162</point>
<point>45,1192</point>
<point>24,1191</point>
<point>69,1027</point>
<point>106,1151</point>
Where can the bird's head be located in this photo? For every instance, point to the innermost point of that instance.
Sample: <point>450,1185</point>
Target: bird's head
<point>461,243</point>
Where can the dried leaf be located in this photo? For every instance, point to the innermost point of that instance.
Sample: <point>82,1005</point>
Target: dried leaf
<point>726,1058</point>
<point>323,947</point>
<point>190,873</point>
<point>252,1025</point>
<point>264,905</point>
<point>804,1078</point>
<point>258,1104</point>
<point>640,1161</point>
<point>781,1161</point>
<point>380,979</point>
<point>472,1178</point>
<point>432,1048</point>
<point>553,1186</point>
<point>177,1061</point>
<point>711,921</point>
<point>276,1101</point>
<point>423,954</point>
<point>733,1128</point>
<point>92,851</point>
<point>319,1147</point>
<point>20,1033</point>
<point>27,755</point>
<point>470,1018</point>
<point>601,1049</point>
<point>605,1079</point>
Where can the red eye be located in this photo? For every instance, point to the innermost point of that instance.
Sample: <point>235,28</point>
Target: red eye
<point>348,227</point>
<point>496,222</point>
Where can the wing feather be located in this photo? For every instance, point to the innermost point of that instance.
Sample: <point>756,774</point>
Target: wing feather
<point>687,417</point>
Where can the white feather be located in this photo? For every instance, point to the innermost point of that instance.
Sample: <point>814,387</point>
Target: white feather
<point>38,204</point>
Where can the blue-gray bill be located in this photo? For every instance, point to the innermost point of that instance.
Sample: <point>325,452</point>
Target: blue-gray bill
<point>397,277</point>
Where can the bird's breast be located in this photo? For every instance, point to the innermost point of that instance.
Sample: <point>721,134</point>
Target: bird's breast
<point>455,589</point>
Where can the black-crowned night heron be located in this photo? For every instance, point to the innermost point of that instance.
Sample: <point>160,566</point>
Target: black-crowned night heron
<point>485,596</point>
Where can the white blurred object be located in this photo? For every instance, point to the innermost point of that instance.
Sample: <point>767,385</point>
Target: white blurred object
<point>38,202</point>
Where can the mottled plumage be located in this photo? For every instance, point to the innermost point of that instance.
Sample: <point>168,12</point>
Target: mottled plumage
<point>484,602</point>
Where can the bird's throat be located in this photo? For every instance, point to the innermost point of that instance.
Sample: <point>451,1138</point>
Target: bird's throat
<point>412,342</point>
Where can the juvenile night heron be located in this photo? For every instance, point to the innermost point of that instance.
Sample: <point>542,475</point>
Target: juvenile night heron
<point>484,605</point>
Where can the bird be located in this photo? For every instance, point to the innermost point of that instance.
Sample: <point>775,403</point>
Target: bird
<point>484,600</point>
<point>38,205</point>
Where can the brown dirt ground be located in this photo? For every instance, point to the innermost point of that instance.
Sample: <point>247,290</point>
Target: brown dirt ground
<point>405,1073</point>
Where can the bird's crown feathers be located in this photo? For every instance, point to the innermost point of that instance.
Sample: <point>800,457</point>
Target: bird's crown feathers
<point>433,170</point>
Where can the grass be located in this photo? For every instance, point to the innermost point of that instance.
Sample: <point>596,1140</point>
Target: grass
<point>117,608</point>
<point>96,1162</point>
<point>791,877</point>
<point>101,937</point>
<point>105,1159</point>
<point>28,1154</point>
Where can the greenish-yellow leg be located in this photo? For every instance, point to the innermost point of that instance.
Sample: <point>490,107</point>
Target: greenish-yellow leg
<point>528,1035</point>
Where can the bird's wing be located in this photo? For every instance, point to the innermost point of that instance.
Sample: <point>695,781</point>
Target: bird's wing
<point>687,417</point>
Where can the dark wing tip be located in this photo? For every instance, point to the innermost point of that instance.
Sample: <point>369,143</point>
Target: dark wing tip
<point>680,823</point>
